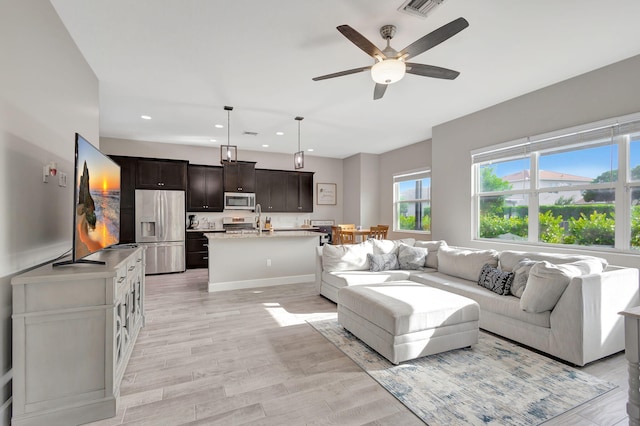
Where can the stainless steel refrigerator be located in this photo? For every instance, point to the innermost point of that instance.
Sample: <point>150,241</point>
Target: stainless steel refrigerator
<point>160,226</point>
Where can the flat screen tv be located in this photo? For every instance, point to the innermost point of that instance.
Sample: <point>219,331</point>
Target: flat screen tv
<point>96,202</point>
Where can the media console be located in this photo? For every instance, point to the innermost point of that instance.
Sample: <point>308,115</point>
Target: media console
<point>74,328</point>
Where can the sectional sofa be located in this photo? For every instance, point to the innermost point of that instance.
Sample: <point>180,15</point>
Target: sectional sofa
<point>561,304</point>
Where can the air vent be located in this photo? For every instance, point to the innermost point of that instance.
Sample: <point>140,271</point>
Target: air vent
<point>250,133</point>
<point>419,8</point>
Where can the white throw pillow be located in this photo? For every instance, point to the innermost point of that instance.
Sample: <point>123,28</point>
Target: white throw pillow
<point>521,276</point>
<point>465,264</point>
<point>389,246</point>
<point>547,282</point>
<point>433,247</point>
<point>347,257</point>
<point>412,258</point>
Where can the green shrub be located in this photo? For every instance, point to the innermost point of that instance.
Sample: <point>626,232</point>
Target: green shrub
<point>550,228</point>
<point>596,230</point>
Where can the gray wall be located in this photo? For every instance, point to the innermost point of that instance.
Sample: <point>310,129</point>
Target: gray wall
<point>327,170</point>
<point>48,92</point>
<point>607,92</point>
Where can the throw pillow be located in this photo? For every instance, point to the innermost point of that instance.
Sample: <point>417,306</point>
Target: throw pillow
<point>465,263</point>
<point>382,262</point>
<point>412,257</point>
<point>547,282</point>
<point>349,257</point>
<point>433,247</point>
<point>495,280</point>
<point>509,258</point>
<point>521,271</point>
<point>389,246</point>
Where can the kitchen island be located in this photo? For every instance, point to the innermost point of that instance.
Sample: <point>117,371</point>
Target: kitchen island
<point>249,259</point>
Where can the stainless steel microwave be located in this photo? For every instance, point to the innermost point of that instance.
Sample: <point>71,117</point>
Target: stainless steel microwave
<point>239,201</point>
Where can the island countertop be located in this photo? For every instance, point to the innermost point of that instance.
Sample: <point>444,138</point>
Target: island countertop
<point>254,234</point>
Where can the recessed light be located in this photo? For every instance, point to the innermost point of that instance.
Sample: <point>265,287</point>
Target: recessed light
<point>279,133</point>
<point>219,126</point>
<point>264,145</point>
<point>310,149</point>
<point>145,117</point>
<point>212,140</point>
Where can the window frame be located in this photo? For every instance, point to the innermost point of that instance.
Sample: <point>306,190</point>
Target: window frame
<point>408,176</point>
<point>623,131</point>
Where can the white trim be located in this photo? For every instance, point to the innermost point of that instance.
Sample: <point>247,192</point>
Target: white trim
<point>264,282</point>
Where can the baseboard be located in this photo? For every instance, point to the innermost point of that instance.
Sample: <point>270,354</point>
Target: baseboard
<point>263,282</point>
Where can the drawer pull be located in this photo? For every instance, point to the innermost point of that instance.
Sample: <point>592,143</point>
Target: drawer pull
<point>205,245</point>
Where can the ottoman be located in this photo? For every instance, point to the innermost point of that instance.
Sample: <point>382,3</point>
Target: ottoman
<point>403,320</point>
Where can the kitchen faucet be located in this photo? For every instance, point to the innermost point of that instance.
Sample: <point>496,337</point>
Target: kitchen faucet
<point>259,213</point>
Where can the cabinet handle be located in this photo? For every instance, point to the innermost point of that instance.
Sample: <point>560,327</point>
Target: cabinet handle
<point>205,245</point>
<point>240,189</point>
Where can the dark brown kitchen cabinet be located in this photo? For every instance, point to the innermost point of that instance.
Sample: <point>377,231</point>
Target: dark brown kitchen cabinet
<point>271,190</point>
<point>161,174</point>
<point>197,250</point>
<point>127,197</point>
<point>205,190</point>
<point>299,192</point>
<point>240,176</point>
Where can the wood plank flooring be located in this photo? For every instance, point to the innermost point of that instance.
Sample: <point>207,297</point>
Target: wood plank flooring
<point>248,357</point>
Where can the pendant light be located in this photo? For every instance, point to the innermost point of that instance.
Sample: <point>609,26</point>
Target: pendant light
<point>228,153</point>
<point>298,157</point>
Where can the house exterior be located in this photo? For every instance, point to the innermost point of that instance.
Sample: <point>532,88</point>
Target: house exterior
<point>547,179</point>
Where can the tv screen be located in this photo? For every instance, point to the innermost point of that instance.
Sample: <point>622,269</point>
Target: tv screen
<point>96,200</point>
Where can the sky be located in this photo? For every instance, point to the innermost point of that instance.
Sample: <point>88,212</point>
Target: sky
<point>104,174</point>
<point>589,162</point>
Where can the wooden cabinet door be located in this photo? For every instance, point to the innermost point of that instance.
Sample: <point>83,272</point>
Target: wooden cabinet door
<point>213,189</point>
<point>292,189</point>
<point>204,192</point>
<point>263,189</point>
<point>306,192</point>
<point>278,184</point>
<point>127,197</point>
<point>148,174</point>
<point>240,177</point>
<point>161,174</point>
<point>196,197</point>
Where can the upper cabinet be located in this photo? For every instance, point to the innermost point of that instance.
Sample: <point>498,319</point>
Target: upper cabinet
<point>161,174</point>
<point>240,176</point>
<point>205,192</point>
<point>299,192</point>
<point>127,197</point>
<point>271,190</point>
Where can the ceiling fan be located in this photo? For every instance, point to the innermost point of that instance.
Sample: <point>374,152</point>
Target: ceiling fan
<point>391,65</point>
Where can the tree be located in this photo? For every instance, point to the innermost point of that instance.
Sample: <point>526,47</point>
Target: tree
<point>608,195</point>
<point>490,182</point>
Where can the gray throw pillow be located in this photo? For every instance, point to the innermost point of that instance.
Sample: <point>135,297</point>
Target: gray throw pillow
<point>412,257</point>
<point>521,271</point>
<point>495,280</point>
<point>382,262</point>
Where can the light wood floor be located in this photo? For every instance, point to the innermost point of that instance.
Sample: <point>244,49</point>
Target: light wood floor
<point>248,357</point>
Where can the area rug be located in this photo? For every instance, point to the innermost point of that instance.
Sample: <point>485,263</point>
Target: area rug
<point>494,382</point>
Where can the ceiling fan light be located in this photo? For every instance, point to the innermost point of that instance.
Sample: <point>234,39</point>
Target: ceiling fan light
<point>388,71</point>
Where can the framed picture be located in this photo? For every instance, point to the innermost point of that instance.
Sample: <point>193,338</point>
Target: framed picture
<point>326,193</point>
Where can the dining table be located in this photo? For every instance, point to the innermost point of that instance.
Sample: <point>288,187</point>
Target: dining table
<point>359,235</point>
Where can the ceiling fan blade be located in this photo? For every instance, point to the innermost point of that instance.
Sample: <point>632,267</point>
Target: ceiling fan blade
<point>434,38</point>
<point>360,41</point>
<point>341,73</point>
<point>431,71</point>
<point>379,90</point>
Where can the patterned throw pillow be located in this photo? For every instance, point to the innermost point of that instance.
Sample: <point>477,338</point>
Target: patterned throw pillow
<point>382,262</point>
<point>412,257</point>
<point>495,280</point>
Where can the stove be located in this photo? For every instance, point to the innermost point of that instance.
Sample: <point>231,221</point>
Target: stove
<point>238,225</point>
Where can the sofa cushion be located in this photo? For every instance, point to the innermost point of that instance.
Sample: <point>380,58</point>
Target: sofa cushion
<point>521,275</point>
<point>347,278</point>
<point>507,306</point>
<point>412,257</point>
<point>382,262</point>
<point>510,258</point>
<point>547,282</point>
<point>432,246</point>
<point>389,246</point>
<point>348,257</point>
<point>495,280</point>
<point>465,263</point>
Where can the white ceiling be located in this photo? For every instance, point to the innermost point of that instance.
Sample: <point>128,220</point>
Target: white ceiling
<point>181,61</point>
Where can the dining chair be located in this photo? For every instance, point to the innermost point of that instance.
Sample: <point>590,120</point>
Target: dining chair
<point>335,235</point>
<point>347,237</point>
<point>347,226</point>
<point>378,232</point>
<point>386,229</point>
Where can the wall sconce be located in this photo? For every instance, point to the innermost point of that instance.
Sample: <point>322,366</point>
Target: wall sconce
<point>228,153</point>
<point>298,157</point>
<point>49,170</point>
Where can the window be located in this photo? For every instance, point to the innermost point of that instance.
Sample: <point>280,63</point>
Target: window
<point>412,201</point>
<point>574,187</point>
